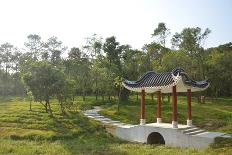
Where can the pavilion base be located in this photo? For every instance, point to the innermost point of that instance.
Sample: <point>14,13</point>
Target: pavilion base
<point>159,120</point>
<point>172,137</point>
<point>189,123</point>
<point>174,124</point>
<point>142,121</point>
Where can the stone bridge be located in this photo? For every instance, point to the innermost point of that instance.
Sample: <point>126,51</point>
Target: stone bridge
<point>163,133</point>
<point>158,133</point>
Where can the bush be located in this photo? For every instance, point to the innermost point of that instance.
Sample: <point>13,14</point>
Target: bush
<point>222,142</point>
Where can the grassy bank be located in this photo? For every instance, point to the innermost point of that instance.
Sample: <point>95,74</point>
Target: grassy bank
<point>36,132</point>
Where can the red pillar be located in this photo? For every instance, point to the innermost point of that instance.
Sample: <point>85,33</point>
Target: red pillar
<point>142,109</point>
<point>174,107</point>
<point>159,107</point>
<point>189,94</point>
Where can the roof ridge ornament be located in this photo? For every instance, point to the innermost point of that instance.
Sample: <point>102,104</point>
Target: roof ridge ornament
<point>176,78</point>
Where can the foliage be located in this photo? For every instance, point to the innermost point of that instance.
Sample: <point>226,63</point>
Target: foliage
<point>44,81</point>
<point>162,32</point>
<point>93,67</point>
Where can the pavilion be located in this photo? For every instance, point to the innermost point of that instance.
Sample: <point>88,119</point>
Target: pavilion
<point>170,82</point>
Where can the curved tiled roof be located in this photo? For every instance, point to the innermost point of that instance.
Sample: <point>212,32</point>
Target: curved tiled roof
<point>152,81</point>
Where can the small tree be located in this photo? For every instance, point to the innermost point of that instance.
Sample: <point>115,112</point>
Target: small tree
<point>43,81</point>
<point>118,83</point>
<point>30,97</point>
<point>65,90</point>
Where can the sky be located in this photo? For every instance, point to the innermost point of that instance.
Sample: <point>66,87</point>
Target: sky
<point>131,21</point>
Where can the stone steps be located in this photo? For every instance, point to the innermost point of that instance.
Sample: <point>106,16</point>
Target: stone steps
<point>93,114</point>
<point>181,129</point>
<point>196,132</point>
<point>192,129</point>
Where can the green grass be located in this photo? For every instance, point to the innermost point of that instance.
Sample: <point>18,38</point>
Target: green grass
<point>36,132</point>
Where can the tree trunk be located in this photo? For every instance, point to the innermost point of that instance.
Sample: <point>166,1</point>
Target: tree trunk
<point>30,106</point>
<point>168,98</point>
<point>119,97</point>
<point>46,106</point>
<point>96,95</point>
<point>199,99</point>
<point>62,107</point>
<point>162,96</point>
<point>6,71</point>
<point>152,98</point>
<point>83,96</point>
<point>50,109</point>
<point>137,97</point>
<point>73,98</point>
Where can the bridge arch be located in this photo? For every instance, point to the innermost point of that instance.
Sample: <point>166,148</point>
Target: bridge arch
<point>155,138</point>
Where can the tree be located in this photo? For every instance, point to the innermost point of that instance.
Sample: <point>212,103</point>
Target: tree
<point>74,54</point>
<point>118,83</point>
<point>16,56</point>
<point>6,51</point>
<point>93,49</point>
<point>111,48</point>
<point>113,61</point>
<point>96,75</point>
<point>64,90</point>
<point>83,77</point>
<point>79,68</point>
<point>43,81</point>
<point>34,45</point>
<point>53,49</point>
<point>30,97</point>
<point>191,41</point>
<point>161,32</point>
<point>131,63</point>
<point>56,57</point>
<point>93,46</point>
<point>175,59</point>
<point>154,54</point>
<point>218,69</point>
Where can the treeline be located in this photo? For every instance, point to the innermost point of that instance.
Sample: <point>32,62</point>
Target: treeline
<point>97,68</point>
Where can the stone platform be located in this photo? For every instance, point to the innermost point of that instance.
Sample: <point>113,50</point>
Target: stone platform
<point>183,136</point>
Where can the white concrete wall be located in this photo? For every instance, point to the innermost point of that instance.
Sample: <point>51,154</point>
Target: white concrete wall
<point>172,137</point>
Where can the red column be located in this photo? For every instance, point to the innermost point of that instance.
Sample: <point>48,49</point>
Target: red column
<point>158,107</point>
<point>189,104</point>
<point>174,107</point>
<point>189,120</point>
<point>142,112</point>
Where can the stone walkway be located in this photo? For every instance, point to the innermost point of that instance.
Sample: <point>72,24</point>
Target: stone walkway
<point>93,114</point>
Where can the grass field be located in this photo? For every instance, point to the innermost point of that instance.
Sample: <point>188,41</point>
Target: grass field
<point>36,132</point>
